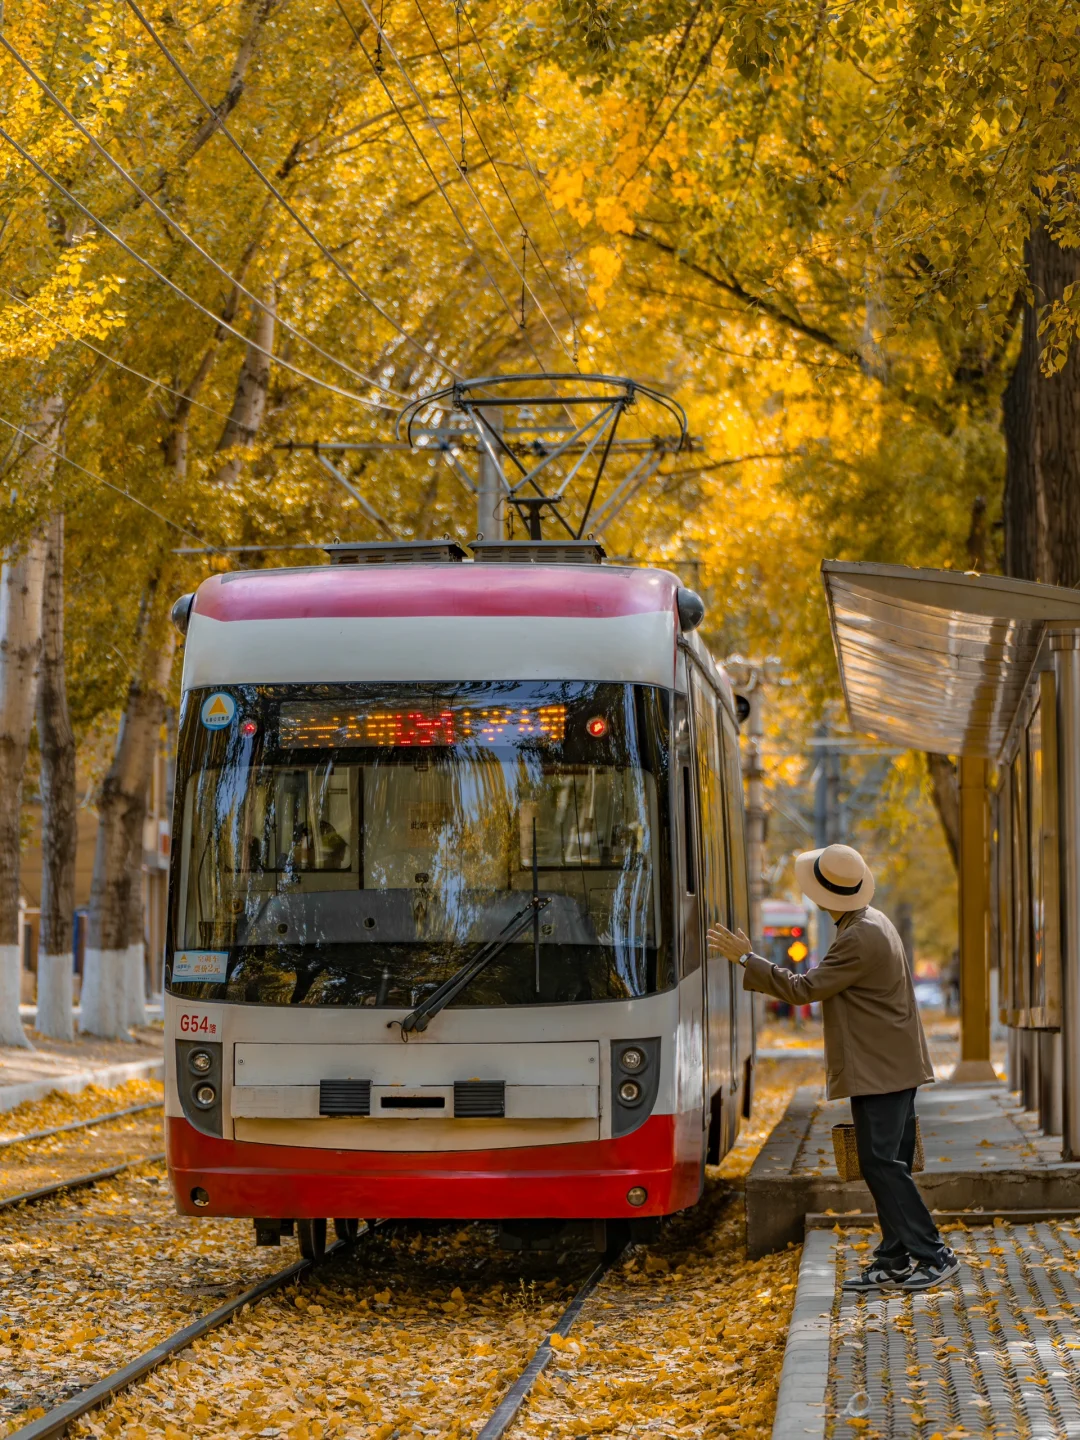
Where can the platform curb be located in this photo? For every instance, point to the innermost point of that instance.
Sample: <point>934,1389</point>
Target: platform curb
<point>804,1377</point>
<point>107,1076</point>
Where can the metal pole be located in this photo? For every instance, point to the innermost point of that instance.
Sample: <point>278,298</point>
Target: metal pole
<point>974,1065</point>
<point>825,790</point>
<point>489,494</point>
<point>755,808</point>
<point>1065,645</point>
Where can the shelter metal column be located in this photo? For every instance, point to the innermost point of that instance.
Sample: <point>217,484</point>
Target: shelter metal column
<point>1066,647</point>
<point>974,1063</point>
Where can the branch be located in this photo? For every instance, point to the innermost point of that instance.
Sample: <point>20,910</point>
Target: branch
<point>731,286</point>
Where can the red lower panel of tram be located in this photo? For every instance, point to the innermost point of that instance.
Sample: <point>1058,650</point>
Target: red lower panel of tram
<point>586,1180</point>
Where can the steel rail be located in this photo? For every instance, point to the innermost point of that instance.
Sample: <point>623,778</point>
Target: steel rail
<point>7,1140</point>
<point>56,1421</point>
<point>77,1182</point>
<point>505,1413</point>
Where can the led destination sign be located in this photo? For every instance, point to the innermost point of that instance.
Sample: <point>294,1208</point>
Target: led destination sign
<point>319,726</point>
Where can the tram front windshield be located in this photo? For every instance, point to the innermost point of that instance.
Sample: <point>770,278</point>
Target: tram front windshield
<point>356,844</point>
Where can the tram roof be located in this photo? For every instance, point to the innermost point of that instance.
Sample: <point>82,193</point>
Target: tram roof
<point>429,590</point>
<point>412,621</point>
<point>939,660</point>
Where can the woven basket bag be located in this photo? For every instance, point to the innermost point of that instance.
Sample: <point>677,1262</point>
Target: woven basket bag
<point>847,1156</point>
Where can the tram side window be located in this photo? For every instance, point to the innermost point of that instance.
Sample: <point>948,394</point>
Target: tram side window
<point>740,895</point>
<point>711,802</point>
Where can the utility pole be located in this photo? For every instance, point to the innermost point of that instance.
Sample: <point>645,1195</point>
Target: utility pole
<point>489,493</point>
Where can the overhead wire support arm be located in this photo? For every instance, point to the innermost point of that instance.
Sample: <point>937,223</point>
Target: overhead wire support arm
<point>627,488</point>
<point>291,210</point>
<point>365,505</point>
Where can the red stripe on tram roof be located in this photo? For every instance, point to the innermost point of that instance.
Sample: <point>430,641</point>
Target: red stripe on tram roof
<point>387,592</point>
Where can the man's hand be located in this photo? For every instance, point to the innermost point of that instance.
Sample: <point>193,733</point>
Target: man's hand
<point>732,945</point>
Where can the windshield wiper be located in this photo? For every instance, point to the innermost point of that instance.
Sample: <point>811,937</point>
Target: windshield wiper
<point>450,989</point>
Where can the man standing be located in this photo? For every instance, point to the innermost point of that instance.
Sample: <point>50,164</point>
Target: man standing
<point>875,1052</point>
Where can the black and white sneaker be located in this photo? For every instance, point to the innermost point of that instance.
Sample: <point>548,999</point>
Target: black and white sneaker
<point>924,1276</point>
<point>876,1276</point>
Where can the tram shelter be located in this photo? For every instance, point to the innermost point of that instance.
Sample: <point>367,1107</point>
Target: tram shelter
<point>987,669</point>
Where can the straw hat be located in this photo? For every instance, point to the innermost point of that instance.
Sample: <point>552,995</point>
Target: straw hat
<point>836,878</point>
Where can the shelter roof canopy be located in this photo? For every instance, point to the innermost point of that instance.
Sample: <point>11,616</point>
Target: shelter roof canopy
<point>937,659</point>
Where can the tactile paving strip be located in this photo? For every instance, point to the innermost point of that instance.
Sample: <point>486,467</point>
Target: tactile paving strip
<point>994,1353</point>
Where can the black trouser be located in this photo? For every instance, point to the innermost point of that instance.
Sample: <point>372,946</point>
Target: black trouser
<point>885,1139</point>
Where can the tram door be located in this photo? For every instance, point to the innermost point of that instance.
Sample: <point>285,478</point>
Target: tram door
<point>688,890</point>
<point>686,829</point>
<point>742,1013</point>
<point>714,904</point>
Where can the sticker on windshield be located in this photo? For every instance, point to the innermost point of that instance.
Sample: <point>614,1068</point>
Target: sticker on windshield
<point>218,711</point>
<point>200,965</point>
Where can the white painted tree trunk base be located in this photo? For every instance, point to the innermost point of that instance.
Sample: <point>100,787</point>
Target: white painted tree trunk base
<point>56,996</point>
<point>135,984</point>
<point>103,1003</point>
<point>11,1029</point>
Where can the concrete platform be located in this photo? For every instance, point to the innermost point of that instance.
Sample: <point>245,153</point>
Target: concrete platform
<point>983,1153</point>
<point>108,1077</point>
<point>991,1353</point>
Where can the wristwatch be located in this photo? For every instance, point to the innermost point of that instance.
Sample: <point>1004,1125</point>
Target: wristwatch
<point>744,957</point>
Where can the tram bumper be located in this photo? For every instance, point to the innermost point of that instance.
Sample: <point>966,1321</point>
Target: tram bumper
<point>578,1181</point>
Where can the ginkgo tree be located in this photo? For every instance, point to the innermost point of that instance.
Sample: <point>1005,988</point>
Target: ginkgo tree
<point>227,227</point>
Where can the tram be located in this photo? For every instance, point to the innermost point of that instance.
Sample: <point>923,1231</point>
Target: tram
<point>449,832</point>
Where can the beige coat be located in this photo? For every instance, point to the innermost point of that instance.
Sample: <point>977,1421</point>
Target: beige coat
<point>874,1041</point>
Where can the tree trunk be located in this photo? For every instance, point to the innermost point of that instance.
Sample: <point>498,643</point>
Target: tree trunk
<point>946,796</point>
<point>134,981</point>
<point>55,1016</point>
<point>21,588</point>
<point>1042,435</point>
<point>249,403</point>
<point>21,581</point>
<point>108,1005</point>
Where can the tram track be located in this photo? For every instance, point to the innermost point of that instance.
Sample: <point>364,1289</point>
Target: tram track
<point>78,1182</point>
<point>7,1141</point>
<point>57,1421</point>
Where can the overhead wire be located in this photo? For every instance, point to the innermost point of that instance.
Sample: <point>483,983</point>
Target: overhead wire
<point>104,355</point>
<point>465,109</point>
<point>256,169</point>
<point>252,344</point>
<point>464,174</point>
<point>169,220</point>
<point>426,162</point>
<point>100,480</point>
<point>572,266</point>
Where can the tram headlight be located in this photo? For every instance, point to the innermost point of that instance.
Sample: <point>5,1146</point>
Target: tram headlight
<point>635,1082</point>
<point>200,1082</point>
<point>637,1195</point>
